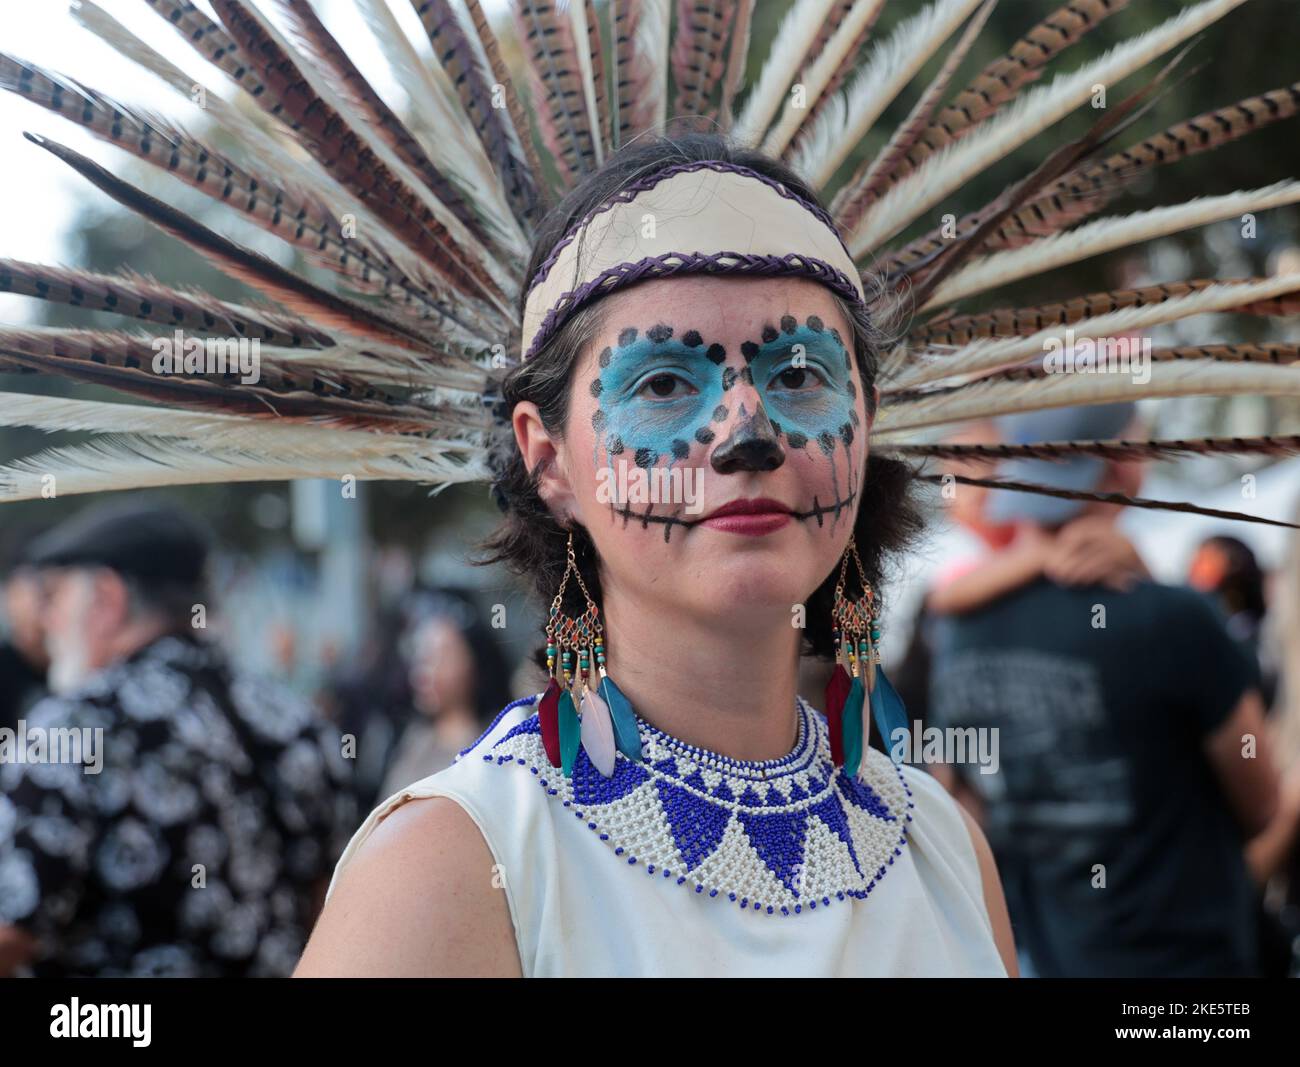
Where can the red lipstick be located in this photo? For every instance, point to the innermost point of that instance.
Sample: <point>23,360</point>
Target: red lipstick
<point>761,515</point>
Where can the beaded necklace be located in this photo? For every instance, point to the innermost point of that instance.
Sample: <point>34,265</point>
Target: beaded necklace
<point>774,836</point>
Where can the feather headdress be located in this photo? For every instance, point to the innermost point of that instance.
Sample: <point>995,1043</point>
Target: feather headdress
<point>425,219</point>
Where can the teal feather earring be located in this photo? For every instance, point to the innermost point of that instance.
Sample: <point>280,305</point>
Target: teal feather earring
<point>847,707</point>
<point>596,718</point>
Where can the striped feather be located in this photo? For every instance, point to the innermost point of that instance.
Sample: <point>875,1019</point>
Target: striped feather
<point>737,57</point>
<point>849,117</point>
<point>1003,79</point>
<point>827,70</point>
<point>954,166</point>
<point>1105,235</point>
<point>1119,499</point>
<point>559,99</point>
<point>1267,445</point>
<point>698,57</point>
<point>457,48</point>
<point>340,143</point>
<point>876,172</point>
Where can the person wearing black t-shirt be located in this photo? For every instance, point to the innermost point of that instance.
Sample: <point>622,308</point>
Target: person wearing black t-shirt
<point>1132,762</point>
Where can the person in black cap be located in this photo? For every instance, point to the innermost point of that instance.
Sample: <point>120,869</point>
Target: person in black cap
<point>160,815</point>
<point>23,659</point>
<point>1124,794</point>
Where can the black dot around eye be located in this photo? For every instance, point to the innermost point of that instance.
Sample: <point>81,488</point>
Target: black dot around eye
<point>836,334</point>
<point>796,439</point>
<point>606,354</point>
<point>645,458</point>
<point>704,435</point>
<point>598,421</point>
<point>815,324</point>
<point>846,433</point>
<point>720,413</point>
<point>659,333</point>
<point>789,323</point>
<point>717,353</point>
<point>826,441</point>
<point>747,376</point>
<point>692,339</point>
<point>596,386</point>
<point>853,415</point>
<point>749,350</point>
<point>776,427</point>
<point>853,389</point>
<point>627,337</point>
<point>728,378</point>
<point>614,444</point>
<point>769,334</point>
<point>680,448</point>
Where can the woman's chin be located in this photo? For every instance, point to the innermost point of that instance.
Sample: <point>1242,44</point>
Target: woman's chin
<point>758,580</point>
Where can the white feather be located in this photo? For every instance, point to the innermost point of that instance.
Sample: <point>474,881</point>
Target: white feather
<point>794,36</point>
<point>582,47</point>
<point>652,39</point>
<point>216,430</point>
<point>1175,378</point>
<point>114,463</point>
<point>820,73</point>
<point>992,353</point>
<point>849,115</point>
<point>948,170</point>
<point>1104,235</point>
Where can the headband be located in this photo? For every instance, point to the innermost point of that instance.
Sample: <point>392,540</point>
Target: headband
<point>697,218</point>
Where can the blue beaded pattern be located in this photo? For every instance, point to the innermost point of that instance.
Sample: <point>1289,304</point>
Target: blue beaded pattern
<point>774,836</point>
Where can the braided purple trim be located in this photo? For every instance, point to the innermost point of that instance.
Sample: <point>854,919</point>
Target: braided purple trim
<point>625,274</point>
<point>628,194</point>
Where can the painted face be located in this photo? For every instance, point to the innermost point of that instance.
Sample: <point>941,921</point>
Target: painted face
<point>717,393</point>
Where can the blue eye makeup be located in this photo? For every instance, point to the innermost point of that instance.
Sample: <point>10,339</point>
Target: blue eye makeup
<point>657,393</point>
<point>660,391</point>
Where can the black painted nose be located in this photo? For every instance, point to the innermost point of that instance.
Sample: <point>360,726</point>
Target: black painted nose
<point>752,446</point>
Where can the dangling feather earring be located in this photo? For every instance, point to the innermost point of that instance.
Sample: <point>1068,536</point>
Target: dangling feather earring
<point>858,690</point>
<point>845,696</point>
<point>607,724</point>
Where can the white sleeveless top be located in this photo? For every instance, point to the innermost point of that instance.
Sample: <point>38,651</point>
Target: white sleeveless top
<point>692,864</point>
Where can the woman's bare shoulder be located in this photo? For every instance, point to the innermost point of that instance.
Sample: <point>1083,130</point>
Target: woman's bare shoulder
<point>420,897</point>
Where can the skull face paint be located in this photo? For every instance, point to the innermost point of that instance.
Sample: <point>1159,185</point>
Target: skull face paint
<point>663,394</point>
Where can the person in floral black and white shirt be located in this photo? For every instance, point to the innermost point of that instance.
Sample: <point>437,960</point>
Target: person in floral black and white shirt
<point>191,833</point>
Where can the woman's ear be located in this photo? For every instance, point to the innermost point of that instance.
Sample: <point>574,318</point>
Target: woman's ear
<point>538,448</point>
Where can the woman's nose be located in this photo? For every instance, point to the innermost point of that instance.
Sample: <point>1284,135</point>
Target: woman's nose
<point>752,444</point>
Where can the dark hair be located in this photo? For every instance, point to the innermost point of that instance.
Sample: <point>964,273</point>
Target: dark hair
<point>529,540</point>
<point>1242,586</point>
<point>491,678</point>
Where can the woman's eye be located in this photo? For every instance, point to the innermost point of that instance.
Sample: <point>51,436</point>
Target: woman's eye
<point>797,379</point>
<point>665,385</point>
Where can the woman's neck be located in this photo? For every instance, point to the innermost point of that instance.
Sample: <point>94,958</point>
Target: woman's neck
<point>722,688</point>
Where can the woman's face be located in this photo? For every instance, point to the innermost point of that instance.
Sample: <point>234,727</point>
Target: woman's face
<point>703,393</point>
<point>442,668</point>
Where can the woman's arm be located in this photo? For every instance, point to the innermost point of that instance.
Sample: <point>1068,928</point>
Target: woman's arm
<point>997,574</point>
<point>421,898</point>
<point>993,897</point>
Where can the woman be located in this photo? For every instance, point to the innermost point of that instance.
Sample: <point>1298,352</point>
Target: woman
<point>457,685</point>
<point>477,870</point>
<point>740,297</point>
